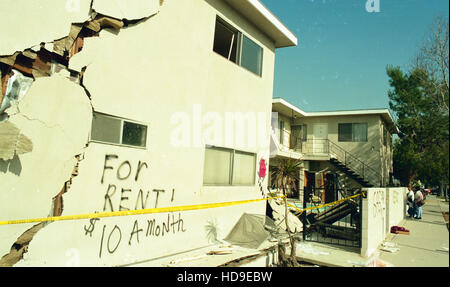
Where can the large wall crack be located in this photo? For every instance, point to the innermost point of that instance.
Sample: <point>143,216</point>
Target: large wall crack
<point>20,71</point>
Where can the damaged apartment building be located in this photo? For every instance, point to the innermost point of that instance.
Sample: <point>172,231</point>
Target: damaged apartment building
<point>114,105</point>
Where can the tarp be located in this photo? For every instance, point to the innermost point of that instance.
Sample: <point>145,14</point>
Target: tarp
<point>250,231</point>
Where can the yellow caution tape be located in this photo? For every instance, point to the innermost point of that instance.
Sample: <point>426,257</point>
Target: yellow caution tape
<point>325,205</point>
<point>135,212</point>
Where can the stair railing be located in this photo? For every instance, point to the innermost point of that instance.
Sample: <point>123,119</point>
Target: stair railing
<point>353,163</point>
<point>366,172</point>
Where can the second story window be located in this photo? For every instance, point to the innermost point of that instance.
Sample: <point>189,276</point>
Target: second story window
<point>226,40</point>
<point>353,132</point>
<point>236,47</point>
<point>281,132</point>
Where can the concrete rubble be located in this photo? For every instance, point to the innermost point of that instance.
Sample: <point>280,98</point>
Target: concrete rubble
<point>294,223</point>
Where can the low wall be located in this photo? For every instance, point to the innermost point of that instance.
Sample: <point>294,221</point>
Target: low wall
<point>395,206</point>
<point>373,220</point>
<point>382,208</point>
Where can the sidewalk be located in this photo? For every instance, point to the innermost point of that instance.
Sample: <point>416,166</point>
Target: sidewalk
<point>427,244</point>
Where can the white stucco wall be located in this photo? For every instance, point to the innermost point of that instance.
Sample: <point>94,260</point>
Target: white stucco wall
<point>32,30</point>
<point>147,72</point>
<point>58,127</point>
<point>395,206</point>
<point>374,220</point>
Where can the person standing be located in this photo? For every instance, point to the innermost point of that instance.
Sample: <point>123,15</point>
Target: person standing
<point>410,202</point>
<point>418,202</point>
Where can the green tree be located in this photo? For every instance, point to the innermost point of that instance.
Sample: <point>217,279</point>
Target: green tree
<point>284,175</point>
<point>422,146</point>
<point>420,101</point>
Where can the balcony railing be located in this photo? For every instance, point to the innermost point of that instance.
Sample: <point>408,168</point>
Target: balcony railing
<point>327,147</point>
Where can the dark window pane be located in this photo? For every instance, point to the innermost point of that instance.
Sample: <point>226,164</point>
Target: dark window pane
<point>226,41</point>
<point>345,132</point>
<point>251,57</point>
<point>304,132</point>
<point>134,134</point>
<point>105,129</point>
<point>281,131</point>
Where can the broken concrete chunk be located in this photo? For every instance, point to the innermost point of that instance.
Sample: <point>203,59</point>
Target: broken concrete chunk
<point>9,60</point>
<point>12,141</point>
<point>48,46</point>
<point>295,225</point>
<point>107,22</point>
<point>93,26</point>
<point>64,46</point>
<point>126,9</point>
<point>44,102</point>
<point>30,54</point>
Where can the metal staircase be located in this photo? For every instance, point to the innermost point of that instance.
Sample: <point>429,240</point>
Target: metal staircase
<point>353,167</point>
<point>344,161</point>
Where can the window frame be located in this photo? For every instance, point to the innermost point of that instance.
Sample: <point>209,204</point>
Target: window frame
<point>239,43</point>
<point>352,135</point>
<point>231,167</point>
<point>122,121</point>
<point>281,127</point>
<point>304,135</point>
<point>234,31</point>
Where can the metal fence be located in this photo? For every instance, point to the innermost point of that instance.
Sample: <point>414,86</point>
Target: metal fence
<point>338,222</point>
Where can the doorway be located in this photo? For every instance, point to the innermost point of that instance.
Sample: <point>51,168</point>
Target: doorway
<point>320,138</point>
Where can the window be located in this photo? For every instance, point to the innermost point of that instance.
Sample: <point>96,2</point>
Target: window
<point>251,56</point>
<point>110,129</point>
<point>244,168</point>
<point>303,132</point>
<point>281,132</point>
<point>236,47</point>
<point>228,167</point>
<point>352,132</point>
<point>226,40</point>
<point>217,168</point>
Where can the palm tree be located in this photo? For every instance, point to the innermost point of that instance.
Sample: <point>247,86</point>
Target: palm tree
<point>285,174</point>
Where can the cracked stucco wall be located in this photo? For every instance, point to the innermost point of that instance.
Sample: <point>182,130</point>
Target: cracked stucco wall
<point>32,30</point>
<point>58,127</point>
<point>56,113</point>
<point>139,72</point>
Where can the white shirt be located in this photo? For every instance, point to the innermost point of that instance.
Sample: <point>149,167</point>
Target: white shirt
<point>410,195</point>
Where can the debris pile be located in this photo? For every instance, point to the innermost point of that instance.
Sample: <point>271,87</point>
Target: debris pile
<point>276,209</point>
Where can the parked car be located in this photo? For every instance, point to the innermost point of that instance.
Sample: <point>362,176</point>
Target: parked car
<point>435,191</point>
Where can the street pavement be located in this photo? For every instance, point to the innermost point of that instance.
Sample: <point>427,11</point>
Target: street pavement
<point>427,244</point>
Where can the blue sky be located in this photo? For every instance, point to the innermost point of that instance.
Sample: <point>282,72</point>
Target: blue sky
<point>340,62</point>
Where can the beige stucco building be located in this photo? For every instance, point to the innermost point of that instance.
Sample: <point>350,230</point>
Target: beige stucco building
<point>126,107</point>
<point>356,144</point>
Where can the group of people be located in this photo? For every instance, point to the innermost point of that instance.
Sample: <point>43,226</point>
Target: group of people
<point>415,201</point>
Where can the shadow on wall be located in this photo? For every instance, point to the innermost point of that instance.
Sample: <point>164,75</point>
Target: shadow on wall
<point>13,165</point>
